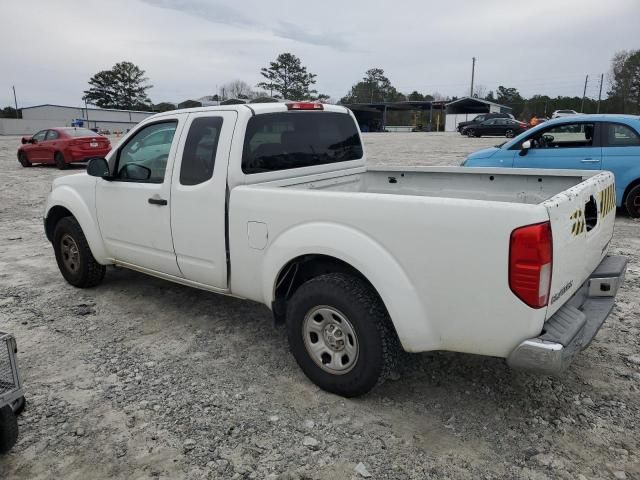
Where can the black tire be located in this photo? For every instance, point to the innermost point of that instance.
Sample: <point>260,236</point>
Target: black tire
<point>375,339</point>
<point>470,132</point>
<point>75,260</point>
<point>19,405</point>
<point>8,429</point>
<point>24,161</point>
<point>632,202</point>
<point>60,163</point>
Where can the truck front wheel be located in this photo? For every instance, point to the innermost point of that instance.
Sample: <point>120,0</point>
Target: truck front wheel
<point>73,255</point>
<point>340,334</point>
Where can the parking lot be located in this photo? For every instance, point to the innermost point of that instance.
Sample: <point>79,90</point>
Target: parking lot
<point>142,378</point>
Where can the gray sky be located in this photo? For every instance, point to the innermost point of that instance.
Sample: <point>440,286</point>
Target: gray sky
<point>49,49</point>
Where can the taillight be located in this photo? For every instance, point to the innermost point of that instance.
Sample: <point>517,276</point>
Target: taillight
<point>530,261</point>
<point>305,106</point>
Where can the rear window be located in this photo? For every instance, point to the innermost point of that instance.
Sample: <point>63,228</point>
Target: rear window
<point>280,141</point>
<point>80,132</point>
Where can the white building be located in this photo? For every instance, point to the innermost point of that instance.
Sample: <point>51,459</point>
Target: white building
<point>101,118</point>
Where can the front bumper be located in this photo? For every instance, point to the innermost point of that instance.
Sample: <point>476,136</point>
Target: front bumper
<point>571,329</point>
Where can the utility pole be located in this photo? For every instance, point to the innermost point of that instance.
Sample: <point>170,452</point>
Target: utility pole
<point>600,93</point>
<point>15,100</point>
<point>584,94</point>
<point>473,72</point>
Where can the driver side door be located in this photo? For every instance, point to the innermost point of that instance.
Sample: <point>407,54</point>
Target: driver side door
<point>574,146</point>
<point>133,206</point>
<point>35,150</point>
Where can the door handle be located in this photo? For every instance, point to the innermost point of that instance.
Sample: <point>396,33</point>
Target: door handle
<point>157,201</point>
<point>590,160</point>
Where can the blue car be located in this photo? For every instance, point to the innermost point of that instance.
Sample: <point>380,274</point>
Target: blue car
<point>584,142</point>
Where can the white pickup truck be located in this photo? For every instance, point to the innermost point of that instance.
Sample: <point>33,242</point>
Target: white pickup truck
<point>275,203</point>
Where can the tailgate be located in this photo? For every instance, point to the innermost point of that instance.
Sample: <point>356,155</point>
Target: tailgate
<point>582,219</point>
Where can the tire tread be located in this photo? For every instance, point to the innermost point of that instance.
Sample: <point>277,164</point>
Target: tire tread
<point>359,292</point>
<point>93,273</point>
<point>8,429</point>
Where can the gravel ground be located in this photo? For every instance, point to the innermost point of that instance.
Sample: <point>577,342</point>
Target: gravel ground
<point>140,378</point>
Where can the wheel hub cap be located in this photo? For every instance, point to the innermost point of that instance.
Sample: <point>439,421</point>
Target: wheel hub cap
<point>330,340</point>
<point>70,253</point>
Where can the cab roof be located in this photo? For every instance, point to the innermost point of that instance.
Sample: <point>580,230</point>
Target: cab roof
<point>255,108</point>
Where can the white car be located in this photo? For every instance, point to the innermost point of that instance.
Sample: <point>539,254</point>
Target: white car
<point>563,113</point>
<point>275,203</point>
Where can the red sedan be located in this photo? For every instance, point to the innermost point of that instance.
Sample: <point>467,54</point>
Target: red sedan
<point>62,146</point>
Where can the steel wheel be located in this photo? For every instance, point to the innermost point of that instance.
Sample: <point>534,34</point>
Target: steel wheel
<point>70,253</point>
<point>330,340</point>
<point>509,133</point>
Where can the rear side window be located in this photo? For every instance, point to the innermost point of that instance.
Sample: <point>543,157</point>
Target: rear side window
<point>199,156</point>
<point>80,132</point>
<point>52,135</point>
<point>621,136</point>
<point>280,141</point>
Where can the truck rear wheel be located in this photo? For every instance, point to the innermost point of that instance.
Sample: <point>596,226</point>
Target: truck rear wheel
<point>73,255</point>
<point>632,202</point>
<point>340,334</point>
<point>8,429</point>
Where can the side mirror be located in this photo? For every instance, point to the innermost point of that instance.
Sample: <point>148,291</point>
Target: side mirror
<point>25,140</point>
<point>98,167</point>
<point>33,140</point>
<point>524,148</point>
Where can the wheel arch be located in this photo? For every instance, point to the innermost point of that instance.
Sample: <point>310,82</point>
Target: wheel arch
<point>315,249</point>
<point>65,202</point>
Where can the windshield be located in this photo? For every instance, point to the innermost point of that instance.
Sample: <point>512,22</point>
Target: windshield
<point>80,132</point>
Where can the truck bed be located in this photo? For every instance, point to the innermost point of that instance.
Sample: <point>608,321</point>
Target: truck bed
<point>528,186</point>
<point>439,235</point>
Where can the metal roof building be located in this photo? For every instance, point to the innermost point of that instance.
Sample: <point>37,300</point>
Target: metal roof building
<point>466,108</point>
<point>372,117</point>
<point>101,118</point>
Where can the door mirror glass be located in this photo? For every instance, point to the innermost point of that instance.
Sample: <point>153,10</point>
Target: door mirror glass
<point>135,171</point>
<point>98,167</point>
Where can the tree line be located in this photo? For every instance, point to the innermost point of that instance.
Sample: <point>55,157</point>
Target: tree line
<point>125,86</point>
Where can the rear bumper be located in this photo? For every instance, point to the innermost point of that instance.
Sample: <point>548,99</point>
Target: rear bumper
<point>571,329</point>
<point>74,154</point>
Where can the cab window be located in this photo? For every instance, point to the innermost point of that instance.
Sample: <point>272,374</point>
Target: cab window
<point>199,156</point>
<point>144,157</point>
<point>619,135</point>
<point>280,141</point>
<point>566,135</point>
